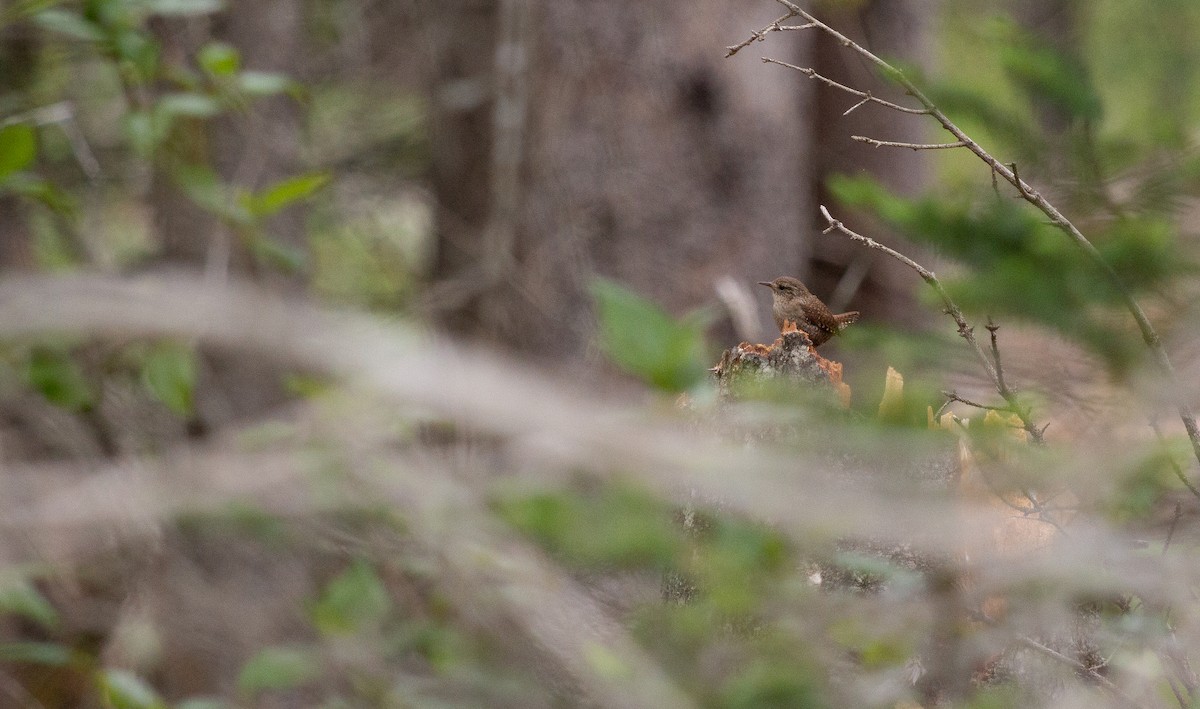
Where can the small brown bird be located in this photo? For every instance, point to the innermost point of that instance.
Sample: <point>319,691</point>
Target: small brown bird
<point>795,303</point>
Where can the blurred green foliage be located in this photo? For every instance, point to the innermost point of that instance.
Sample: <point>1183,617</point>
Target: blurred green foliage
<point>276,668</point>
<point>125,690</point>
<point>617,528</point>
<point>1018,265</point>
<point>645,341</point>
<point>51,371</point>
<point>169,372</point>
<point>19,597</point>
<point>353,602</point>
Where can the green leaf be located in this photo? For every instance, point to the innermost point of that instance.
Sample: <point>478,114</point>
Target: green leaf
<point>18,148</point>
<point>204,187</point>
<point>645,341</point>
<point>283,193</point>
<point>19,597</point>
<point>49,194</point>
<point>771,683</point>
<point>50,654</point>
<point>138,49</point>
<point>202,703</point>
<point>125,690</point>
<point>219,59</point>
<point>70,24</point>
<point>189,104</point>
<point>169,372</point>
<point>54,374</point>
<point>354,601</point>
<point>184,7</point>
<point>277,668</point>
<point>146,130</point>
<point>264,83</point>
<point>289,259</point>
<point>622,527</point>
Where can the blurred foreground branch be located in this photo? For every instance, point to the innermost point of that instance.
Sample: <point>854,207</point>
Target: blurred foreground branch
<point>487,393</point>
<point>840,490</point>
<point>489,565</point>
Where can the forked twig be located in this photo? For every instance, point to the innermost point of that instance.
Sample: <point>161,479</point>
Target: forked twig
<point>965,330</point>
<point>865,95</point>
<point>762,34</point>
<point>1053,654</point>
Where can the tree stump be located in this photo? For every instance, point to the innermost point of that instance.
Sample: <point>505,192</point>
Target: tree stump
<point>791,358</point>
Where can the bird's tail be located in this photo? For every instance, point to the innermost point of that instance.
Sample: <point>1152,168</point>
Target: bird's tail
<point>845,319</point>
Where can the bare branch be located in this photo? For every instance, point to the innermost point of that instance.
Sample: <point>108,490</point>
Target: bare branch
<point>865,95</point>
<point>786,28</point>
<point>1091,673</point>
<point>953,396</point>
<point>992,328</point>
<point>1149,335</point>
<point>1053,654</point>
<point>855,107</point>
<point>911,146</point>
<point>762,34</point>
<point>964,328</point>
<point>1175,467</point>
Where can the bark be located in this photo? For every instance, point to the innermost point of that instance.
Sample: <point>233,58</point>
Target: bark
<point>644,156</point>
<point>791,359</point>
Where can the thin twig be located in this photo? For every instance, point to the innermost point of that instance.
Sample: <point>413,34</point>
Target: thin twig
<point>1050,652</point>
<point>1175,467</point>
<point>62,114</point>
<point>1149,335</point>
<point>992,328</point>
<point>942,409</point>
<point>910,146</point>
<point>1079,667</point>
<point>858,105</point>
<point>788,28</point>
<point>1174,524</point>
<point>865,95</point>
<point>964,328</point>
<point>953,396</point>
<point>762,34</point>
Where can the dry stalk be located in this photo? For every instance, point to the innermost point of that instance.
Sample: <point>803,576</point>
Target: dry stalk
<point>965,329</point>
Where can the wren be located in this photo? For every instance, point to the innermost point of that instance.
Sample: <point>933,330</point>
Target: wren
<point>793,302</point>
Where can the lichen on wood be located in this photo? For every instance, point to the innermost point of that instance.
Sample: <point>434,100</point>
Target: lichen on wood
<point>790,358</point>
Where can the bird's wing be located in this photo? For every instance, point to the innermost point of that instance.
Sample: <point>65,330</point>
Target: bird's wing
<point>824,320</point>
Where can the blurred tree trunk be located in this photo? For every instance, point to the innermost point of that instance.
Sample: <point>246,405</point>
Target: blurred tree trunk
<point>608,139</point>
<point>576,139</point>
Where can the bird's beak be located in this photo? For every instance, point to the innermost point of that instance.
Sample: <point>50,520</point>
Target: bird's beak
<point>765,283</point>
